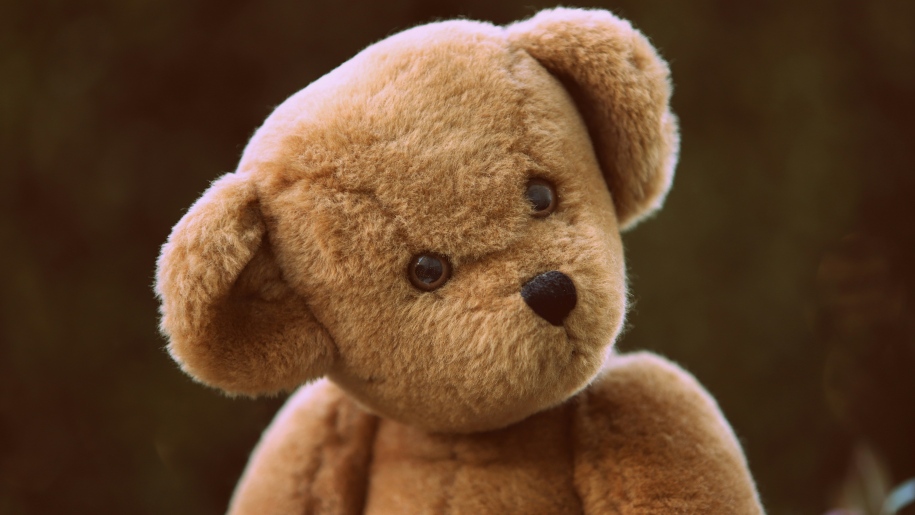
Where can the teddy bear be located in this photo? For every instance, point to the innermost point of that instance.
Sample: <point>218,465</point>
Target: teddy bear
<point>425,245</point>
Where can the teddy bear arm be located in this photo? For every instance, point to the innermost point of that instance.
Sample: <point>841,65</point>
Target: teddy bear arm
<point>650,439</point>
<point>313,458</point>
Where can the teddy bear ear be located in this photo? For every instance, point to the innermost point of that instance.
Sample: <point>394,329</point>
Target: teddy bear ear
<point>231,320</point>
<point>622,89</point>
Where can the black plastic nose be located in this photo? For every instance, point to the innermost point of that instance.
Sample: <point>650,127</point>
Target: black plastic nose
<point>551,295</point>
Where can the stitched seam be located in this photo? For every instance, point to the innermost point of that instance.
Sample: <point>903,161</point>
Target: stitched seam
<point>369,459</point>
<point>449,491</point>
<point>570,435</point>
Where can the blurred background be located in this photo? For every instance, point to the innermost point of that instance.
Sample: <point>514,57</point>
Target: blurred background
<point>780,272</point>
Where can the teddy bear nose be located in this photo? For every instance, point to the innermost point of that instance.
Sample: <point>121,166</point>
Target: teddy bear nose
<point>551,295</point>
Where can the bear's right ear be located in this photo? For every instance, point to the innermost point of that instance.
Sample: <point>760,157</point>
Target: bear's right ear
<point>231,319</point>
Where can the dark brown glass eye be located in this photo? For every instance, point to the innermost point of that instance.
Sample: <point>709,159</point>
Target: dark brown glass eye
<point>542,197</point>
<point>429,271</point>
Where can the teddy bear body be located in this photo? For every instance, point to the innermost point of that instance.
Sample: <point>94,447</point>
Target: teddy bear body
<point>324,454</point>
<point>499,165</point>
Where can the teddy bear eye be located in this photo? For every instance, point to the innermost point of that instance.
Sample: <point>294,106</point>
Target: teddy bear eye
<point>429,271</point>
<point>542,197</point>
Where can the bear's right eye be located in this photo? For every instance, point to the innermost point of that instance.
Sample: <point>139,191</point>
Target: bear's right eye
<point>429,271</point>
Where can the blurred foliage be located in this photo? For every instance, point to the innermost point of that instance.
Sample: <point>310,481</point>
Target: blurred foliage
<point>797,131</point>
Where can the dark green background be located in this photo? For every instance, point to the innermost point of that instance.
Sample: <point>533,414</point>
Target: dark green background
<point>779,272</point>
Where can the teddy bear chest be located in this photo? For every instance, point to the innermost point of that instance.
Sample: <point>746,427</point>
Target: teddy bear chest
<point>525,468</point>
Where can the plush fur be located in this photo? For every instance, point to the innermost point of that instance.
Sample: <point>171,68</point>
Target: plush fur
<point>462,399</point>
<point>643,438</point>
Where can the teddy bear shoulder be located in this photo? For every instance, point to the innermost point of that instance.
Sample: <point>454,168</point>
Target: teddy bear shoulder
<point>648,432</point>
<point>312,457</point>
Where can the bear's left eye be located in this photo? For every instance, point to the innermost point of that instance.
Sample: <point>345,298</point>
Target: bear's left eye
<point>542,196</point>
<point>429,271</point>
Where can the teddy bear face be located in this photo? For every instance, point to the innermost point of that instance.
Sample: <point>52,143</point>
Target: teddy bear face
<point>430,151</point>
<point>488,152</point>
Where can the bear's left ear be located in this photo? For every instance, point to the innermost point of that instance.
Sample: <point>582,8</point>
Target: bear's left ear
<point>622,89</point>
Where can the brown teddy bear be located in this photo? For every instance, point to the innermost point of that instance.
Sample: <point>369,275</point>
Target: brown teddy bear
<point>434,227</point>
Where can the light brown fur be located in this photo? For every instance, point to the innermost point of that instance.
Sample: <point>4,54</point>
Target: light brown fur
<point>643,438</point>
<point>459,400</point>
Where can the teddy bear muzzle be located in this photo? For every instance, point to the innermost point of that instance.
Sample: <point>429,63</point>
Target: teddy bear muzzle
<point>551,295</point>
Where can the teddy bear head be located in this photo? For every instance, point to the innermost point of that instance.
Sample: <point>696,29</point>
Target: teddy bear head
<point>434,225</point>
